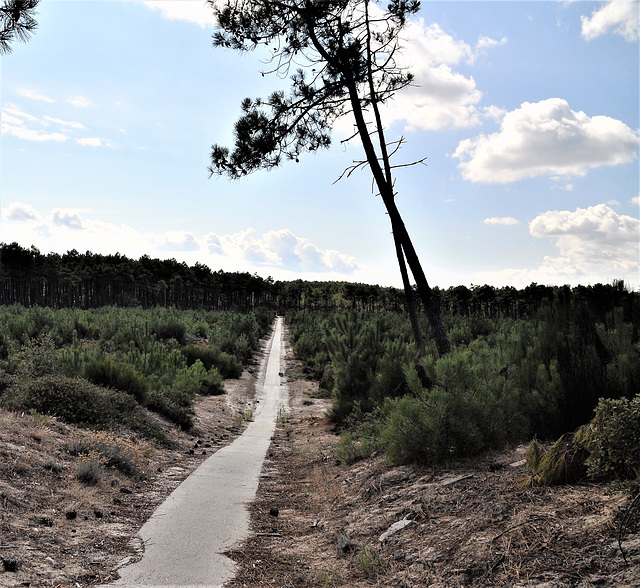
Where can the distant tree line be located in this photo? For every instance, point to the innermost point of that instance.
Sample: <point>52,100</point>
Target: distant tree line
<point>91,280</point>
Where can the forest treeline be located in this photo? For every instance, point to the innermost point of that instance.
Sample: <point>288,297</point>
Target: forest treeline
<point>91,280</point>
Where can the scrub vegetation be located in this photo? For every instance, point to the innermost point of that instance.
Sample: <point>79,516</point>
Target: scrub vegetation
<point>506,381</point>
<point>109,367</point>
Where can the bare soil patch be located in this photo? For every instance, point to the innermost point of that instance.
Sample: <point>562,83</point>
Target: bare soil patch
<point>317,522</point>
<point>57,531</point>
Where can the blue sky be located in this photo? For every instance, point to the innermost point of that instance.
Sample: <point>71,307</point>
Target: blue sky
<point>528,113</point>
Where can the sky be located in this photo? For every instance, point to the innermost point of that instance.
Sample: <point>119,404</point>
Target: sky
<point>527,113</point>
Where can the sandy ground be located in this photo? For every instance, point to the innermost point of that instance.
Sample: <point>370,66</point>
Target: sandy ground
<point>56,531</point>
<point>315,522</point>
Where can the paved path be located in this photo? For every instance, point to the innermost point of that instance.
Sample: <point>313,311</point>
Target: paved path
<point>206,515</point>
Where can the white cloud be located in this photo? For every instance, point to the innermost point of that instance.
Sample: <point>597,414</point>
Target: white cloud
<point>595,244</point>
<point>439,96</point>
<point>488,42</point>
<point>90,141</point>
<point>276,252</point>
<point>501,220</point>
<point>20,212</point>
<point>195,11</point>
<point>280,249</point>
<point>64,123</point>
<point>494,113</point>
<point>620,16</point>
<point>66,218</point>
<point>30,134</point>
<point>33,95</point>
<point>635,200</point>
<point>80,102</point>
<point>25,126</point>
<point>546,138</point>
<point>596,236</point>
<point>176,241</point>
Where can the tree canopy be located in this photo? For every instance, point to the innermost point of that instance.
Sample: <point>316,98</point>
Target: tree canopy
<point>342,59</point>
<point>17,22</point>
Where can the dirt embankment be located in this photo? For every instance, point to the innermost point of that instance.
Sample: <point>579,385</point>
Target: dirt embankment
<point>315,522</point>
<point>58,531</point>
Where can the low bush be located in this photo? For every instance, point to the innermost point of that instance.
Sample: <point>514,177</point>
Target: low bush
<point>210,356</point>
<point>77,401</point>
<point>615,441</point>
<point>7,381</point>
<point>175,405</point>
<point>89,472</point>
<point>606,449</point>
<point>119,376</point>
<point>466,407</point>
<point>173,329</point>
<point>39,357</point>
<point>212,384</point>
<point>110,450</point>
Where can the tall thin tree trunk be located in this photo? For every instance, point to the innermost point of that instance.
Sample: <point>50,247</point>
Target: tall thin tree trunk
<point>429,302</point>
<point>411,302</point>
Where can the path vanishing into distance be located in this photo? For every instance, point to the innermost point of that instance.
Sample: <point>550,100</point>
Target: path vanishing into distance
<point>185,538</point>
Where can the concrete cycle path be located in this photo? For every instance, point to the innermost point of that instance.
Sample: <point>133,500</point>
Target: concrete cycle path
<point>185,538</point>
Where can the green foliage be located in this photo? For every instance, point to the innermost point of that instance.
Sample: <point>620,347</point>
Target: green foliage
<point>213,383</point>
<point>354,346</point>
<point>465,409</point>
<point>74,358</point>
<point>613,440</point>
<point>175,404</point>
<point>210,356</point>
<point>7,381</point>
<point>562,463</point>
<point>607,448</point>
<point>119,376</point>
<point>171,330</point>
<point>77,401</point>
<point>39,358</point>
<point>355,446</point>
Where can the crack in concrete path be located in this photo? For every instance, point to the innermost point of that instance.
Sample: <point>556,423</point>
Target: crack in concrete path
<point>186,537</point>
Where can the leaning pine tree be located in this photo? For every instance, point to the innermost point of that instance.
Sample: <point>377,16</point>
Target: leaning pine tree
<point>346,53</point>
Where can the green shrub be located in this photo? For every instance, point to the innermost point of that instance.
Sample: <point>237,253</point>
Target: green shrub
<point>7,381</point>
<point>213,384</point>
<point>463,411</point>
<point>174,404</point>
<point>207,354</point>
<point>613,439</point>
<point>119,376</point>
<point>39,357</point>
<point>77,401</point>
<point>173,329</point>
<point>210,356</point>
<point>110,451</point>
<point>349,449</point>
<point>606,449</point>
<point>562,463</point>
<point>228,365</point>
